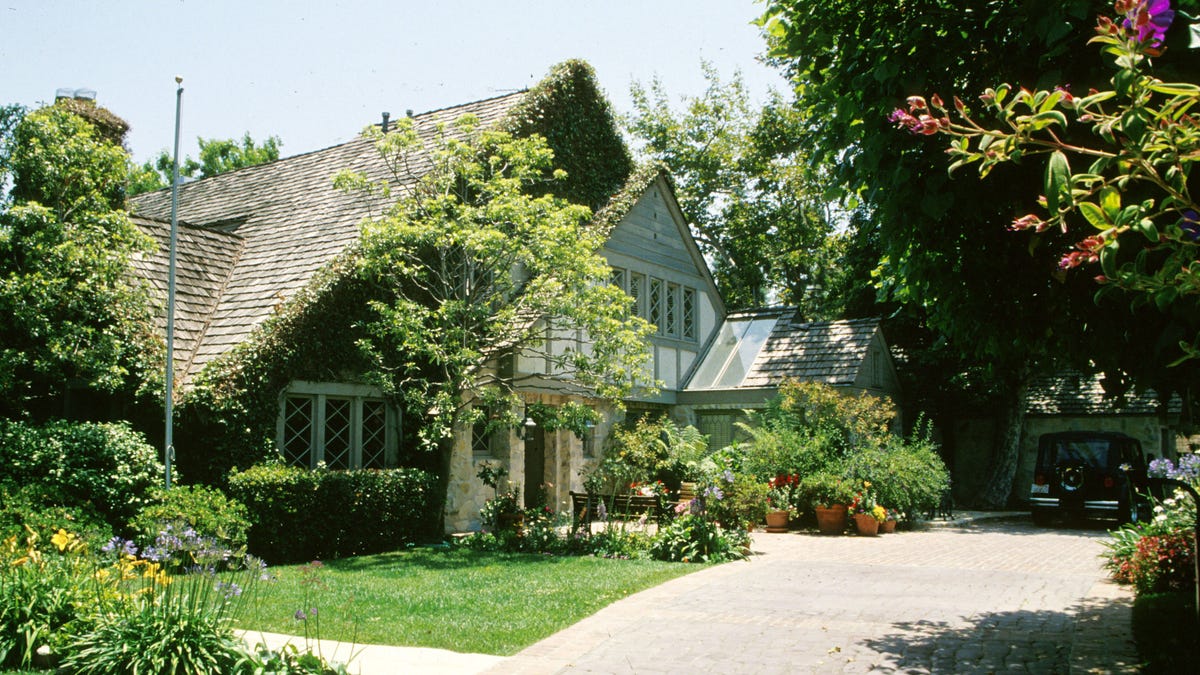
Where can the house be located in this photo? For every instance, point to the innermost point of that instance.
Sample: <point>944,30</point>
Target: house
<point>266,313</point>
<point>755,351</point>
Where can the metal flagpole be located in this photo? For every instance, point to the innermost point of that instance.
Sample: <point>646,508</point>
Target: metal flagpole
<point>169,440</point>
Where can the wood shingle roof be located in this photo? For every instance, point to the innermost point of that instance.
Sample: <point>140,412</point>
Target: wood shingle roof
<point>832,352</point>
<point>287,220</point>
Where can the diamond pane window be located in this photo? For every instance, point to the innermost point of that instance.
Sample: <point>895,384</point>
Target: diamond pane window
<point>655,301</point>
<point>689,314</point>
<point>671,326</point>
<point>337,433</point>
<point>374,435</point>
<point>617,278</point>
<point>297,430</point>
<point>343,429</point>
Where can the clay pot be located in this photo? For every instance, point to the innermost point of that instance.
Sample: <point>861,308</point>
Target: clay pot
<point>866,524</point>
<point>777,521</point>
<point>887,527</point>
<point>831,520</point>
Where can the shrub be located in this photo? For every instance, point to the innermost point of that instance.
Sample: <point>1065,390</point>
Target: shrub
<point>299,514</point>
<point>694,538</point>
<point>1163,563</point>
<point>824,489</point>
<point>205,510</point>
<point>106,467</point>
<point>907,475</point>
<point>38,507</point>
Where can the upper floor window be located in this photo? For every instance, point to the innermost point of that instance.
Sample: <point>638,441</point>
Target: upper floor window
<point>344,426</point>
<point>689,314</point>
<point>655,304</point>
<point>671,311</point>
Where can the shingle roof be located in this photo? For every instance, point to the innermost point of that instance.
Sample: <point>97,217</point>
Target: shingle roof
<point>291,222</point>
<point>832,352</point>
<point>204,259</point>
<point>742,357</point>
<point>1074,393</point>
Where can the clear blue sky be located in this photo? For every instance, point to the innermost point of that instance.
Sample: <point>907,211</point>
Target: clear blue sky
<point>315,73</point>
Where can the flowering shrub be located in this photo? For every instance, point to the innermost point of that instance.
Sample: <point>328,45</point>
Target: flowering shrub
<point>1161,563</point>
<point>783,494</point>
<point>694,538</point>
<point>1188,469</point>
<point>1129,558</point>
<point>42,589</point>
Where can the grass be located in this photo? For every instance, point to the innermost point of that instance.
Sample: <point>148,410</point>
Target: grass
<point>1165,628</point>
<point>467,601</point>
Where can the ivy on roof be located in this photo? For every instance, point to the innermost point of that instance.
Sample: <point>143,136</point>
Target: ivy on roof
<point>568,109</point>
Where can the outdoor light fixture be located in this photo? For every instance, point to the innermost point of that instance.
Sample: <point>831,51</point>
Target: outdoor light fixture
<point>526,429</point>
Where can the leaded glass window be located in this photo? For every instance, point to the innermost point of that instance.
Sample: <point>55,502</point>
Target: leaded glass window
<point>343,431</point>
<point>637,285</point>
<point>671,313</point>
<point>689,314</point>
<point>297,430</point>
<point>374,434</point>
<point>655,301</point>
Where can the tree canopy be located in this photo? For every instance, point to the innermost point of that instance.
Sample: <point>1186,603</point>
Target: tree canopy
<point>480,262</point>
<point>74,319</point>
<point>756,214</point>
<point>217,156</point>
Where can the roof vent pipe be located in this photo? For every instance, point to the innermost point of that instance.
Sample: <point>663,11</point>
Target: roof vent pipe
<point>408,112</point>
<point>384,126</point>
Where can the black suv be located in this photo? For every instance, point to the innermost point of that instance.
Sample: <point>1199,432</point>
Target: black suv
<point>1090,474</point>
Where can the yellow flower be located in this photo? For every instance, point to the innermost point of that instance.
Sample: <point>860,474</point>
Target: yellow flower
<point>62,539</point>
<point>20,561</point>
<point>866,483</point>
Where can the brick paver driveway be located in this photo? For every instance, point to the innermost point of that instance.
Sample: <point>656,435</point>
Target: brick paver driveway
<point>990,597</point>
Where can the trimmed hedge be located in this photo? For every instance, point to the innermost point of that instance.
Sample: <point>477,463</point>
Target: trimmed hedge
<point>105,468</point>
<point>299,514</point>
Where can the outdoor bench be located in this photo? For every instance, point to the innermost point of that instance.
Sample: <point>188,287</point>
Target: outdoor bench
<point>585,507</point>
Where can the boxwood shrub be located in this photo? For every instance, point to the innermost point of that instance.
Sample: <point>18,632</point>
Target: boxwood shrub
<point>204,509</point>
<point>299,514</point>
<point>107,468</point>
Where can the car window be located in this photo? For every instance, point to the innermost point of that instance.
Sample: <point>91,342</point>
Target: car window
<point>1093,452</point>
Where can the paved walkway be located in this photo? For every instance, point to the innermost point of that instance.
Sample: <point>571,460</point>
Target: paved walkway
<point>987,596</point>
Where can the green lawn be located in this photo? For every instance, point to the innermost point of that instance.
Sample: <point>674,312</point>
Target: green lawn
<point>467,601</point>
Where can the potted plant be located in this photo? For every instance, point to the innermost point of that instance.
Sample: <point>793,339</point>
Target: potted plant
<point>828,495</point>
<point>781,501</point>
<point>889,523</point>
<point>867,512</point>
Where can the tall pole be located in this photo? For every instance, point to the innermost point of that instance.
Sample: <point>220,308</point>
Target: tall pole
<point>169,440</point>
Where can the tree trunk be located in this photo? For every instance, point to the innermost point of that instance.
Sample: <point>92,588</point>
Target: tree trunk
<point>1006,447</point>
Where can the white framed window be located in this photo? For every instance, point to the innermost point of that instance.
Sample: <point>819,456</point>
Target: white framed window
<point>345,426</point>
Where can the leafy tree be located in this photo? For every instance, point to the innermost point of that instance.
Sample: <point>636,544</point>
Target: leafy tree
<point>480,262</point>
<point>740,182</point>
<point>1134,198</point>
<point>217,156</point>
<point>945,253</point>
<point>73,318</point>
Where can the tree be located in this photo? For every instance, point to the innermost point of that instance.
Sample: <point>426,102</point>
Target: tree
<point>478,262</point>
<point>738,171</point>
<point>217,156</point>
<point>946,256</point>
<point>1134,200</point>
<point>74,320</point>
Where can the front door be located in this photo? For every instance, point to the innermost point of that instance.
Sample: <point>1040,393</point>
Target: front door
<point>535,467</point>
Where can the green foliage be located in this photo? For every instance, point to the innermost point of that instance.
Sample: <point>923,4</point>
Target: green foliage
<point>649,451</point>
<point>106,467</point>
<point>168,612</point>
<point>204,509</point>
<point>746,500</point>
<point>907,475</point>
<point>298,514</point>
<point>825,489</point>
<point>43,586</point>
<point>75,319</point>
<point>695,538</point>
<point>217,156</point>
<point>1164,627</point>
<point>568,109</point>
<point>740,180</point>
<point>44,509</point>
<point>479,258</point>
<point>1139,220</point>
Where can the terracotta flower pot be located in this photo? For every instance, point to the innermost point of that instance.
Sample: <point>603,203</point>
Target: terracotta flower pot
<point>866,524</point>
<point>887,527</point>
<point>777,521</point>
<point>831,520</point>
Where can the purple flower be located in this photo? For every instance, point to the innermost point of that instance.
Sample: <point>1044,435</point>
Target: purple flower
<point>1151,19</point>
<point>300,615</point>
<point>728,476</point>
<point>1190,225</point>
